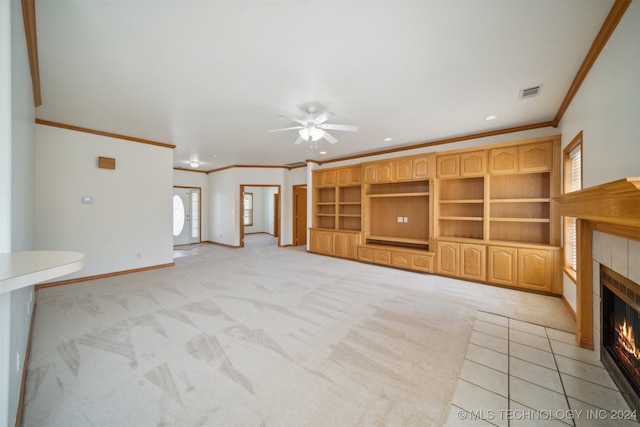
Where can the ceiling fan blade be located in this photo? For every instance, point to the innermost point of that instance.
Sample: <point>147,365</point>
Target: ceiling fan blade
<point>279,130</point>
<point>348,128</point>
<point>324,117</point>
<point>330,138</point>
<point>299,141</point>
<point>295,119</point>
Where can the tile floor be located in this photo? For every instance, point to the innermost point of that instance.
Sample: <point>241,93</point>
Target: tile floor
<point>520,374</point>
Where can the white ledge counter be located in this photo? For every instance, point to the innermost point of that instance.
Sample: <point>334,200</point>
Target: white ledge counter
<point>26,268</point>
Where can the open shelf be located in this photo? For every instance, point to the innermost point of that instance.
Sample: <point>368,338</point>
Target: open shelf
<point>520,231</point>
<point>528,186</point>
<point>462,189</point>
<point>399,189</point>
<point>410,243</point>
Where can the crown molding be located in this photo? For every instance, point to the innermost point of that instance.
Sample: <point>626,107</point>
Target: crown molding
<point>608,27</point>
<point>439,142</point>
<point>102,133</point>
<point>29,18</point>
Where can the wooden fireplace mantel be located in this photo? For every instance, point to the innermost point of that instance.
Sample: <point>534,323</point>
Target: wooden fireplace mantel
<point>617,202</point>
<point>612,208</point>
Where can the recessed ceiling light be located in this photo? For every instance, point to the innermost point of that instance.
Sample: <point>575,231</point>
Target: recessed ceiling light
<point>194,163</point>
<point>491,117</point>
<point>387,139</point>
<point>323,152</point>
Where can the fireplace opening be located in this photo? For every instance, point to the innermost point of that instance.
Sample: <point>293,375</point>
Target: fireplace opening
<point>621,332</point>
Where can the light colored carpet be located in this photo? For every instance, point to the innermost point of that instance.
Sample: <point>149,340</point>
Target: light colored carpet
<point>259,336</point>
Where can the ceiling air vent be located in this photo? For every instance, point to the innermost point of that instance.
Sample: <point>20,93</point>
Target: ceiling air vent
<point>296,164</point>
<point>530,92</point>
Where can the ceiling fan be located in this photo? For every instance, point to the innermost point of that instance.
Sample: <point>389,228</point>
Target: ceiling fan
<point>313,128</point>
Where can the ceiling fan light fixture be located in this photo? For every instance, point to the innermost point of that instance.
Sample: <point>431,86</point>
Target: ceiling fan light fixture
<point>311,133</point>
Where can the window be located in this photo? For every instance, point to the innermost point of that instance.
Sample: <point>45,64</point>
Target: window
<point>572,182</point>
<point>248,209</point>
<point>195,216</point>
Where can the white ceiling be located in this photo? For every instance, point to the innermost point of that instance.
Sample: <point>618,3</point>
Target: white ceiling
<point>211,76</point>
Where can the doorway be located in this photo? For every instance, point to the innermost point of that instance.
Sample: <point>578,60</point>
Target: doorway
<point>186,216</point>
<point>260,211</point>
<point>299,215</point>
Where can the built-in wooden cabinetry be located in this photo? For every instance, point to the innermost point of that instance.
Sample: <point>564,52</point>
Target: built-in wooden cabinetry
<point>499,207</point>
<point>337,212</point>
<point>484,214</point>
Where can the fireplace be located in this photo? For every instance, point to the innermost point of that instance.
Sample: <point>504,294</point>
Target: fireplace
<point>620,333</point>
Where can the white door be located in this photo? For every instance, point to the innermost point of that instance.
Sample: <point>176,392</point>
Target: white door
<point>181,216</point>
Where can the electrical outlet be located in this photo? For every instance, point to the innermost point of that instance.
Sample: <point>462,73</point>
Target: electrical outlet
<point>406,219</point>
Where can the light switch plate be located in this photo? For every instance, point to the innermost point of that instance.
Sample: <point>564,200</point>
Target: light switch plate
<point>400,219</point>
<point>87,200</point>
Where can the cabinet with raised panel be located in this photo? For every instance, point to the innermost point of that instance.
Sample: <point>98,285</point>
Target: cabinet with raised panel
<point>535,157</point>
<point>321,242</point>
<point>502,265</point>
<point>345,245</point>
<point>349,176</point>
<point>461,259</point>
<point>467,164</point>
<point>378,172</point>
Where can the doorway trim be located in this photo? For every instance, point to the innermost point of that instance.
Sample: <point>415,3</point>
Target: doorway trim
<point>241,210</point>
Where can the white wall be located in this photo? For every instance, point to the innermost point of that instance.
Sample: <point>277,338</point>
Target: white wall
<point>129,223</point>
<point>17,114</point>
<point>607,110</point>
<point>199,180</point>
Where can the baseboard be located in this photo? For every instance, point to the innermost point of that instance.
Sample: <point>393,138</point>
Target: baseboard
<point>221,244</point>
<point>102,276</point>
<point>573,313</point>
<point>25,363</point>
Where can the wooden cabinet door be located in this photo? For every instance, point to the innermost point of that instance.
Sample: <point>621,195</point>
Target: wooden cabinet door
<point>422,263</point>
<point>343,176</point>
<point>351,246</point>
<point>321,242</point>
<point>385,171</point>
<point>324,179</point>
<point>378,172</point>
<point>401,259</point>
<point>340,244</point>
<point>535,157</point>
<point>472,261</point>
<point>535,269</point>
<point>502,265</point>
<point>472,164</point>
<point>315,244</point>
<point>345,245</point>
<point>370,173</point>
<point>355,176</point>
<point>503,160</point>
<point>422,167</point>
<point>381,256</point>
<point>403,170</point>
<point>329,179</point>
<point>348,176</point>
<point>448,166</point>
<point>365,254</point>
<point>447,261</point>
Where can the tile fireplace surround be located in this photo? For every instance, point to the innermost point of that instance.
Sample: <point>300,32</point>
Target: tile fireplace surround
<point>620,255</point>
<point>608,228</point>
